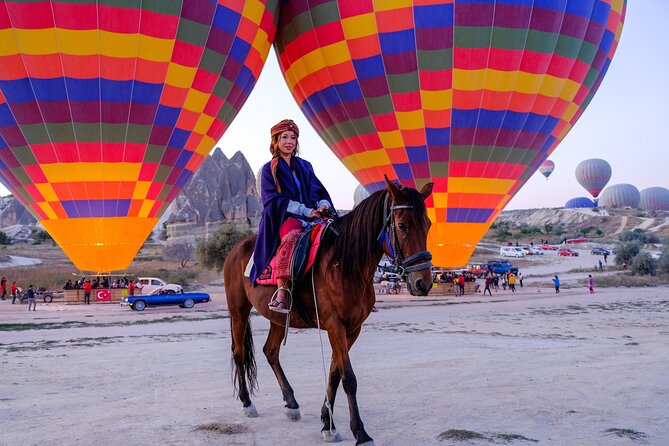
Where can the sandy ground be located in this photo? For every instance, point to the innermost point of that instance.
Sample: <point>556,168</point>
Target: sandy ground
<point>515,369</point>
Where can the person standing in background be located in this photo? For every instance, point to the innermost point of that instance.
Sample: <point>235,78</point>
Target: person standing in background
<point>591,284</point>
<point>31,299</point>
<point>556,282</point>
<point>14,291</point>
<point>87,292</point>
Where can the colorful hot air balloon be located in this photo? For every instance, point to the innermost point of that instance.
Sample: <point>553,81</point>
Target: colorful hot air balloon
<point>654,199</point>
<point>547,168</point>
<point>108,108</point>
<point>472,95</point>
<point>620,196</point>
<point>593,174</point>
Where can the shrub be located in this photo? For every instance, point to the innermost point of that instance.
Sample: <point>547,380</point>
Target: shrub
<point>213,252</point>
<point>5,239</point>
<point>628,280</point>
<point>626,251</point>
<point>639,235</point>
<point>644,265</point>
<point>663,263</point>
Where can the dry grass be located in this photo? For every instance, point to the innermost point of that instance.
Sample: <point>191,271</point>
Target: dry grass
<point>627,433</point>
<point>630,281</point>
<point>223,428</point>
<point>460,435</point>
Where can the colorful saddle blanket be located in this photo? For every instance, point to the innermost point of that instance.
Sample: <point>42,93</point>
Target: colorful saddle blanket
<point>303,258</point>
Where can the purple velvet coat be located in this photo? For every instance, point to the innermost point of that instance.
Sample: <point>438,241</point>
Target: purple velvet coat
<point>275,206</point>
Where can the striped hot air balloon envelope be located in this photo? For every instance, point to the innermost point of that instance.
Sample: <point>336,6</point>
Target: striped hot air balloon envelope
<point>547,168</point>
<point>470,94</point>
<point>108,107</point>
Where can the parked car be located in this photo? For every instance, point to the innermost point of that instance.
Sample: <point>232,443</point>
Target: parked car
<point>600,251</point>
<point>511,251</point>
<point>46,296</point>
<point>501,266</point>
<point>527,250</point>
<point>477,269</point>
<point>537,251</point>
<point>567,252</point>
<point>184,300</point>
<point>154,285</point>
<point>549,247</point>
<point>384,272</point>
<point>577,240</point>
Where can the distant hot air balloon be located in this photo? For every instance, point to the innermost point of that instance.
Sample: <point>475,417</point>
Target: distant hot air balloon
<point>579,202</point>
<point>473,96</point>
<point>359,194</point>
<point>547,168</point>
<point>620,196</point>
<point>108,108</point>
<point>654,199</point>
<point>593,174</point>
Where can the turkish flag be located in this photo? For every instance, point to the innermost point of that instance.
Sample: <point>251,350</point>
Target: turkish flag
<point>103,295</point>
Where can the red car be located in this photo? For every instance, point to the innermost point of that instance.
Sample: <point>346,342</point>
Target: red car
<point>577,240</point>
<point>548,247</point>
<point>567,252</point>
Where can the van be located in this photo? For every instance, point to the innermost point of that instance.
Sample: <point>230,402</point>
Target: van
<point>511,251</point>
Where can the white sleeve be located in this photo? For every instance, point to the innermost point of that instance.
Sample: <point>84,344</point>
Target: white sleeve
<point>298,208</point>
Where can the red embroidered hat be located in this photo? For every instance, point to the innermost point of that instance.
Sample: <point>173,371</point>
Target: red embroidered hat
<point>286,124</point>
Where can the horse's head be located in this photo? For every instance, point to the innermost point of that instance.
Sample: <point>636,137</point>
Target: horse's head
<point>407,226</point>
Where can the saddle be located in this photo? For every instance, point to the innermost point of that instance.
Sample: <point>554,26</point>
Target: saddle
<point>303,257</point>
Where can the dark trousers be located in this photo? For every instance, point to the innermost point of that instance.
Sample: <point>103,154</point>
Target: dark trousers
<point>487,288</point>
<point>87,298</point>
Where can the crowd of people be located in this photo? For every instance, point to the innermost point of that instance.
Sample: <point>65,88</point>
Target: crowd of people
<point>100,282</point>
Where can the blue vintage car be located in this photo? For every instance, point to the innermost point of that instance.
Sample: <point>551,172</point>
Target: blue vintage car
<point>184,300</point>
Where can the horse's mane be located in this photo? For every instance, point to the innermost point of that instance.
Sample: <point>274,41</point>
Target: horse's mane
<point>356,248</point>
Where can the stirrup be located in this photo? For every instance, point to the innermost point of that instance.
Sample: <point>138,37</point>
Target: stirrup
<point>277,305</point>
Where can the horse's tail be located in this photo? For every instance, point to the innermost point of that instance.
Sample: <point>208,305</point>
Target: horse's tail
<point>248,366</point>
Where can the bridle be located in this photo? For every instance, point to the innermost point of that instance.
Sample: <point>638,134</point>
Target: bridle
<point>402,266</point>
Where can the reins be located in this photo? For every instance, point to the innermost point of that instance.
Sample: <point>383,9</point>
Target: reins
<point>388,234</point>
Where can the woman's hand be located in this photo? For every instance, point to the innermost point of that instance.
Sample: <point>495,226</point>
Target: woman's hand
<point>315,213</point>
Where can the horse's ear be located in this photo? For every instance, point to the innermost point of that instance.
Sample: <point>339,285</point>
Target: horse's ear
<point>426,191</point>
<point>392,188</point>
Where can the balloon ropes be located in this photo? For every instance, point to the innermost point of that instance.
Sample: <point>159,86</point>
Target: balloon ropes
<point>108,107</point>
<point>472,96</point>
<point>547,168</point>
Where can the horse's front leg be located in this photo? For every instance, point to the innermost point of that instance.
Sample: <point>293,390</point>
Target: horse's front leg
<point>339,342</point>
<point>271,349</point>
<point>329,432</point>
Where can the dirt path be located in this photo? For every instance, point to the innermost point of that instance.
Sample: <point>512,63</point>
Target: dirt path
<point>556,369</point>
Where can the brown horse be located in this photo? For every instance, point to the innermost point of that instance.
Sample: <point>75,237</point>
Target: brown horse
<point>342,276</point>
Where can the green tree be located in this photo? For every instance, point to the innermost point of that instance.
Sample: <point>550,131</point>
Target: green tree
<point>5,239</point>
<point>213,252</point>
<point>626,251</point>
<point>644,265</point>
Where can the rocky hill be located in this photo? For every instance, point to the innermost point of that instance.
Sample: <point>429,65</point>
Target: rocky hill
<point>221,190</point>
<point>610,222</point>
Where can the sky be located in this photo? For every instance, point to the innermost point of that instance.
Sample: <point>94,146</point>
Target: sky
<point>623,124</point>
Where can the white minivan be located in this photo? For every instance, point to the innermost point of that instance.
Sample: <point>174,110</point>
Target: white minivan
<point>511,251</point>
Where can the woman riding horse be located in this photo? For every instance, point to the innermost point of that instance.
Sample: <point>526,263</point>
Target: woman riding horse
<point>291,194</point>
<point>340,295</point>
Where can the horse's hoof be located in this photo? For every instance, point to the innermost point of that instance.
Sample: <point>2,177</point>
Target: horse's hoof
<point>250,411</point>
<point>331,436</point>
<point>368,443</point>
<point>293,414</point>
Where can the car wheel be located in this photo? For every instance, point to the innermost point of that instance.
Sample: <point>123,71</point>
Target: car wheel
<point>139,305</point>
<point>189,303</point>
<point>48,298</point>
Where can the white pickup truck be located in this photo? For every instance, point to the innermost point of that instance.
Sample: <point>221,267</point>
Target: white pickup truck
<point>154,285</point>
